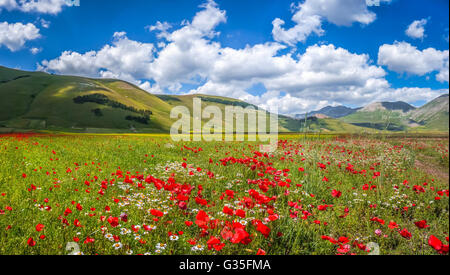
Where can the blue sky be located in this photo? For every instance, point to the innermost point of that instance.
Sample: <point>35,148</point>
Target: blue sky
<point>349,54</point>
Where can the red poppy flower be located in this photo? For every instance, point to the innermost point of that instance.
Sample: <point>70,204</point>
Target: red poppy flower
<point>435,243</point>
<point>31,242</point>
<point>405,233</point>
<point>226,233</point>
<point>343,249</point>
<point>240,213</point>
<point>422,224</point>
<point>260,252</point>
<point>228,210</point>
<point>392,225</point>
<point>219,246</point>
<point>156,213</point>
<point>264,229</point>
<point>89,240</point>
<point>67,212</point>
<point>336,193</point>
<point>343,240</point>
<point>202,219</point>
<point>375,219</point>
<point>201,201</point>
<point>113,221</point>
<point>240,236</point>
<point>212,241</point>
<point>182,205</point>
<point>39,227</point>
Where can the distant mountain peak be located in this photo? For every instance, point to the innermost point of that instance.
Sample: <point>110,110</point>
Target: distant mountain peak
<point>331,111</point>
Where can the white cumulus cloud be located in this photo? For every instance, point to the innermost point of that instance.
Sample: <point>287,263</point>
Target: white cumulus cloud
<point>402,57</point>
<point>416,29</point>
<point>38,6</point>
<point>309,16</point>
<point>15,35</point>
<point>125,59</point>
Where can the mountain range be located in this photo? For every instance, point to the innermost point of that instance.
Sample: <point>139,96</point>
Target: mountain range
<point>394,116</point>
<point>35,101</point>
<point>330,111</point>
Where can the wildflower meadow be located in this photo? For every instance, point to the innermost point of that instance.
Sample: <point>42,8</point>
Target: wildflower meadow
<point>145,194</point>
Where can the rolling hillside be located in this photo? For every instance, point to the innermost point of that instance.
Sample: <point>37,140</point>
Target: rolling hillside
<point>400,116</point>
<point>380,119</point>
<point>36,100</point>
<point>40,101</point>
<point>434,115</point>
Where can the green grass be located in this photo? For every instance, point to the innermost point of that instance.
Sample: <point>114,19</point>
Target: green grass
<point>379,119</point>
<point>60,165</point>
<point>439,121</point>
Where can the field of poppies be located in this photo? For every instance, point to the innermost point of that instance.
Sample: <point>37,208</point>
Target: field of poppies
<point>132,194</point>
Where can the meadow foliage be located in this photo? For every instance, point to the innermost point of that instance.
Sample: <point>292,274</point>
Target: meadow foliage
<point>131,194</point>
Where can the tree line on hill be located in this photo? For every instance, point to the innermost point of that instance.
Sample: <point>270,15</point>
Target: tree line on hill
<point>101,99</point>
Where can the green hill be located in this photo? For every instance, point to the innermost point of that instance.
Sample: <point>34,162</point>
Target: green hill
<point>41,101</point>
<point>400,116</point>
<point>434,115</point>
<point>379,119</point>
<point>36,100</point>
<point>314,124</point>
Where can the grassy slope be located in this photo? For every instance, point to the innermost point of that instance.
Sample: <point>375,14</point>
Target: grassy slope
<point>379,119</point>
<point>46,101</point>
<point>339,126</point>
<point>435,114</point>
<point>438,122</point>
